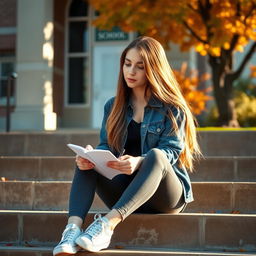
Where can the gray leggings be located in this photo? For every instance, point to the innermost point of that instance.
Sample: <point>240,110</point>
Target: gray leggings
<point>154,188</point>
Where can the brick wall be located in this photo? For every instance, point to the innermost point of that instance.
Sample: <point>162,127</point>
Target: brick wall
<point>8,13</point>
<point>8,17</point>
<point>7,43</point>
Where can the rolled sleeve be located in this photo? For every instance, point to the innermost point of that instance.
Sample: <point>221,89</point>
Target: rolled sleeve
<point>103,132</point>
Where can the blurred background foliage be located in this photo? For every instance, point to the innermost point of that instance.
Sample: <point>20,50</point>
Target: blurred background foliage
<point>245,102</point>
<point>190,82</point>
<point>213,28</point>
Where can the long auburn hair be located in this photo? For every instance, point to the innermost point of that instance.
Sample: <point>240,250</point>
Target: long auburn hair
<point>163,86</point>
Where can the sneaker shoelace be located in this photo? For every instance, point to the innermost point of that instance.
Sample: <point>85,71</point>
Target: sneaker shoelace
<point>68,235</point>
<point>96,227</point>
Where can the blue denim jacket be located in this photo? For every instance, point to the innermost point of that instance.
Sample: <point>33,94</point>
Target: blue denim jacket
<point>155,132</point>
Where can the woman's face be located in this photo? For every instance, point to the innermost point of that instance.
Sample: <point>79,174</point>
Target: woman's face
<point>134,70</point>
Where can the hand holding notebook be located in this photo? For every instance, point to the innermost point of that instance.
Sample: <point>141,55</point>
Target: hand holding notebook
<point>99,158</point>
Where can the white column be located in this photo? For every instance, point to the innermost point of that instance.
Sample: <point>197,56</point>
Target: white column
<point>34,99</point>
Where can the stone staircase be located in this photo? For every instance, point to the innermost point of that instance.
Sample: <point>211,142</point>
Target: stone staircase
<point>36,170</point>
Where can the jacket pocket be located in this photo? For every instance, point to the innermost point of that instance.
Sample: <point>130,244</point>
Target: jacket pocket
<point>154,132</point>
<point>156,128</point>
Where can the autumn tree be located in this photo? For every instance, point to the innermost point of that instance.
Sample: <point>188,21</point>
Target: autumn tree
<point>216,28</point>
<point>189,82</point>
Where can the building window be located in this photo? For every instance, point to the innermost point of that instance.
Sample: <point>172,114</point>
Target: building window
<point>78,53</point>
<point>7,66</point>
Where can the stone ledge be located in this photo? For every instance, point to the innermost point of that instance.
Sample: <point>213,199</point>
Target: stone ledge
<point>213,143</point>
<point>178,231</point>
<point>62,168</point>
<point>216,197</point>
<point>47,251</point>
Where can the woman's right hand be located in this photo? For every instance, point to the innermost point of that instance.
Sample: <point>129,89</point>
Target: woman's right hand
<point>84,164</point>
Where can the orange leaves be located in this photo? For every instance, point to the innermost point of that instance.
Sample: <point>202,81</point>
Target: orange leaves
<point>126,14</point>
<point>226,19</point>
<point>209,26</point>
<point>234,18</point>
<point>202,48</point>
<point>253,71</point>
<point>149,17</point>
<point>189,85</point>
<point>224,9</point>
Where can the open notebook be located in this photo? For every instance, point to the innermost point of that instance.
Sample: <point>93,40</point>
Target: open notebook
<point>99,157</point>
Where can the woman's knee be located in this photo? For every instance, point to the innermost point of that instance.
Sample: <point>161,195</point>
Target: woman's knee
<point>156,152</point>
<point>156,161</point>
<point>157,155</point>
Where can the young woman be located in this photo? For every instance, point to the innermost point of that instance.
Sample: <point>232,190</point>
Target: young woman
<point>149,126</point>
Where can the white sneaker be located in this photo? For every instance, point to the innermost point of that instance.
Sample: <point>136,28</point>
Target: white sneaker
<point>67,243</point>
<point>97,236</point>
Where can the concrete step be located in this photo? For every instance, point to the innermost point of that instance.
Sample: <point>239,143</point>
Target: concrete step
<point>37,168</point>
<point>213,143</point>
<point>211,197</point>
<point>44,143</point>
<point>227,143</point>
<point>47,251</point>
<point>217,232</point>
<point>240,168</point>
<point>62,168</point>
<point>45,195</point>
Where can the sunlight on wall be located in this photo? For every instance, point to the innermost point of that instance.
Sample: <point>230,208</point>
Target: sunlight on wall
<point>48,52</point>
<point>50,118</point>
<point>48,31</point>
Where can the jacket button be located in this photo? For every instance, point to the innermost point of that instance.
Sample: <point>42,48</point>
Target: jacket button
<point>158,129</point>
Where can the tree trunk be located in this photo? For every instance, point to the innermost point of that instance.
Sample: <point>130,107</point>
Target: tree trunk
<point>226,108</point>
<point>223,93</point>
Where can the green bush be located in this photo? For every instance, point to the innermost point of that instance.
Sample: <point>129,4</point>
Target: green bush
<point>246,85</point>
<point>245,104</point>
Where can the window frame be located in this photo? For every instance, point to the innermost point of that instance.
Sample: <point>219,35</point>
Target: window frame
<point>69,55</point>
<point>7,59</point>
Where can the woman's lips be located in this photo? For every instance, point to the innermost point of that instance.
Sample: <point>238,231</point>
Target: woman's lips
<point>131,80</point>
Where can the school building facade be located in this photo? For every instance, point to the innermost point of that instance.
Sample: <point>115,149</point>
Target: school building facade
<point>66,68</point>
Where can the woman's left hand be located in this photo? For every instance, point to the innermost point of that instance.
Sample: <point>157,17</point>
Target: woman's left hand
<point>127,164</point>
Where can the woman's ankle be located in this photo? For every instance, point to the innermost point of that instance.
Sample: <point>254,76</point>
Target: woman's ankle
<point>75,220</point>
<point>114,218</point>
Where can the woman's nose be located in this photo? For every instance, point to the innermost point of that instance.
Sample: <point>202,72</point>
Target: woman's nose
<point>132,70</point>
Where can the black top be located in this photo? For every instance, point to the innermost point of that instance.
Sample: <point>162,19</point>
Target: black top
<point>132,145</point>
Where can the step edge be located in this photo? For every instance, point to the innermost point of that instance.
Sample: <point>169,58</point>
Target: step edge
<point>70,157</point>
<point>253,215</point>
<point>69,182</point>
<point>130,250</point>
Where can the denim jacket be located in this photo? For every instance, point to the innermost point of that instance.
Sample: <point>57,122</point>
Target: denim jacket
<point>156,132</point>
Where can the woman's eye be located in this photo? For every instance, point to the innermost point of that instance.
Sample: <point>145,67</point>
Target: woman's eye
<point>129,65</point>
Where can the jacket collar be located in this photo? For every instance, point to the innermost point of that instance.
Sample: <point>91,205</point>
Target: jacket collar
<point>153,102</point>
